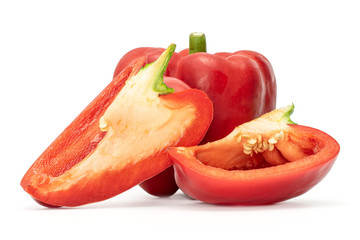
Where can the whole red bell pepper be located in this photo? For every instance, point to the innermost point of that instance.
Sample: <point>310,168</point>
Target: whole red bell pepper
<point>120,139</point>
<point>241,85</point>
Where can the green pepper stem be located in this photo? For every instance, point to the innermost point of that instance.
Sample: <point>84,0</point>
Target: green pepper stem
<point>162,63</point>
<point>197,42</point>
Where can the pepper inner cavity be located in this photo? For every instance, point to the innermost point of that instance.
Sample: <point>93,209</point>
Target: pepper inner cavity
<point>253,151</point>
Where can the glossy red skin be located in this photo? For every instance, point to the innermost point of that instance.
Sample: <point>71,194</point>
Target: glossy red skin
<point>82,136</point>
<point>259,186</point>
<point>163,184</point>
<point>241,85</point>
<point>150,54</point>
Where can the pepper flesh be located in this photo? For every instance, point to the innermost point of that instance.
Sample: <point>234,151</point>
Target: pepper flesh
<point>120,139</point>
<point>224,172</point>
<point>163,184</point>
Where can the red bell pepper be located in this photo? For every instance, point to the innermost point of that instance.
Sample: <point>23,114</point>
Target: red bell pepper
<point>120,139</point>
<point>263,161</point>
<point>241,85</point>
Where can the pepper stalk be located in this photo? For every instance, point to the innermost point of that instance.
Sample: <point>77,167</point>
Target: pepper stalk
<point>197,42</point>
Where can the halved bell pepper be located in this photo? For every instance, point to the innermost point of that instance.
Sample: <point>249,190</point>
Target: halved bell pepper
<point>267,160</point>
<point>120,139</point>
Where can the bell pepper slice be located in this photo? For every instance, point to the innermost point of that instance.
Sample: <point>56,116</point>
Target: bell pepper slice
<point>267,160</point>
<point>120,139</point>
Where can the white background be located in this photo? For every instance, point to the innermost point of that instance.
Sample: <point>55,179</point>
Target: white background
<point>56,57</point>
